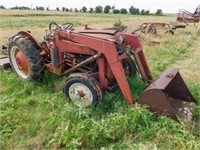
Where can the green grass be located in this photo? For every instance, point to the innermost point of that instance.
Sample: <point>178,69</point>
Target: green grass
<point>33,115</point>
<point>38,116</point>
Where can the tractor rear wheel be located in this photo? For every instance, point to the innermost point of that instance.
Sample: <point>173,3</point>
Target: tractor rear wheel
<point>25,58</point>
<point>82,89</point>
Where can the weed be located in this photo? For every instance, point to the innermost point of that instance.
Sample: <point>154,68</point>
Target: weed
<point>118,23</point>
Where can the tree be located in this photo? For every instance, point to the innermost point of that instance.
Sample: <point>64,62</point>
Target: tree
<point>57,8</point>
<point>91,10</point>
<point>76,10</point>
<point>137,11</point>
<point>98,9</point>
<point>113,7</point>
<point>123,11</point>
<point>2,7</point>
<point>142,12</point>
<point>107,9</point>
<point>84,9</point>
<point>147,12</point>
<point>159,12</point>
<point>37,8</point>
<point>47,8</point>
<point>66,9</point>
<point>63,8</point>
<point>116,11</point>
<point>71,9</point>
<point>132,10</point>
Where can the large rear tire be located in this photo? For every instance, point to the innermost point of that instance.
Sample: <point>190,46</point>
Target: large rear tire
<point>25,58</point>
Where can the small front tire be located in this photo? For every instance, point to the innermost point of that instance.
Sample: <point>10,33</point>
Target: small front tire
<point>82,89</point>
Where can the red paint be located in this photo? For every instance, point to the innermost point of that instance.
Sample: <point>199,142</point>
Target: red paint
<point>93,42</point>
<point>21,62</point>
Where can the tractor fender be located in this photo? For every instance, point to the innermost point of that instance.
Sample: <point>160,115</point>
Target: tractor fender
<point>33,39</point>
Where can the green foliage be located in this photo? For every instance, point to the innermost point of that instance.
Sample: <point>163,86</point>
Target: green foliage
<point>123,11</point>
<point>118,23</point>
<point>36,111</point>
<point>116,11</point>
<point>63,8</point>
<point>159,12</point>
<point>38,8</point>
<point>91,10</point>
<point>84,9</point>
<point>144,12</point>
<point>98,9</point>
<point>2,7</point>
<point>107,9</point>
<point>75,9</point>
<point>133,10</point>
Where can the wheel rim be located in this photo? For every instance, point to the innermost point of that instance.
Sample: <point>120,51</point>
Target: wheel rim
<point>80,94</point>
<point>19,62</point>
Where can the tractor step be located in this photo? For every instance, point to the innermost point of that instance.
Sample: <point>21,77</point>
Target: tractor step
<point>4,63</point>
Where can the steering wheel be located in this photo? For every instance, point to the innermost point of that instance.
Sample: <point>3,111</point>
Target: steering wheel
<point>51,24</point>
<point>69,25</point>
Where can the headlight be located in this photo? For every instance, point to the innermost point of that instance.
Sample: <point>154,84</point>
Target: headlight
<point>121,38</point>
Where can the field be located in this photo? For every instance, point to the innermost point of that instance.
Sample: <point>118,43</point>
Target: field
<point>38,116</point>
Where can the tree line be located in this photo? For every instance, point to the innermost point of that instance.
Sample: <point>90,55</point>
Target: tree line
<point>98,9</point>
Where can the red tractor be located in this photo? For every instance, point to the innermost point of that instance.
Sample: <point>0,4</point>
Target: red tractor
<point>94,60</point>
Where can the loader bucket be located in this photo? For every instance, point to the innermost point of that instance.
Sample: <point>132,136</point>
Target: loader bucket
<point>169,95</point>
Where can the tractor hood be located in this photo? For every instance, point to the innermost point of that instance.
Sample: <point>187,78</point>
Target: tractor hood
<point>104,34</point>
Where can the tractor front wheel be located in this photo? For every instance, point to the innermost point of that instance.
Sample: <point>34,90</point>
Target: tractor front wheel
<point>82,89</point>
<point>25,58</point>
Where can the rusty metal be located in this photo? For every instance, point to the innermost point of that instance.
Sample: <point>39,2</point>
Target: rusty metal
<point>28,34</point>
<point>4,63</point>
<point>153,28</point>
<point>139,56</point>
<point>188,17</point>
<point>4,50</point>
<point>153,32</point>
<point>85,62</point>
<point>169,95</point>
<point>176,26</point>
<point>122,28</point>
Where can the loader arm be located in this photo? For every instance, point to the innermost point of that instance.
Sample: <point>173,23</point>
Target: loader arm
<point>108,50</point>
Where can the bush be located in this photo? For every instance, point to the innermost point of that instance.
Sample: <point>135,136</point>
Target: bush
<point>116,11</point>
<point>123,11</point>
<point>2,7</point>
<point>118,23</point>
<point>145,12</point>
<point>133,10</point>
<point>159,12</point>
<point>91,10</point>
<point>98,9</point>
<point>107,9</point>
<point>84,9</point>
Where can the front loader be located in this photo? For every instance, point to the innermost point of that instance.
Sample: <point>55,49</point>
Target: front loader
<point>98,59</point>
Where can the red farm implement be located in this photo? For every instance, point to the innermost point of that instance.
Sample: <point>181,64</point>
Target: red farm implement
<point>96,59</point>
<point>187,17</point>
